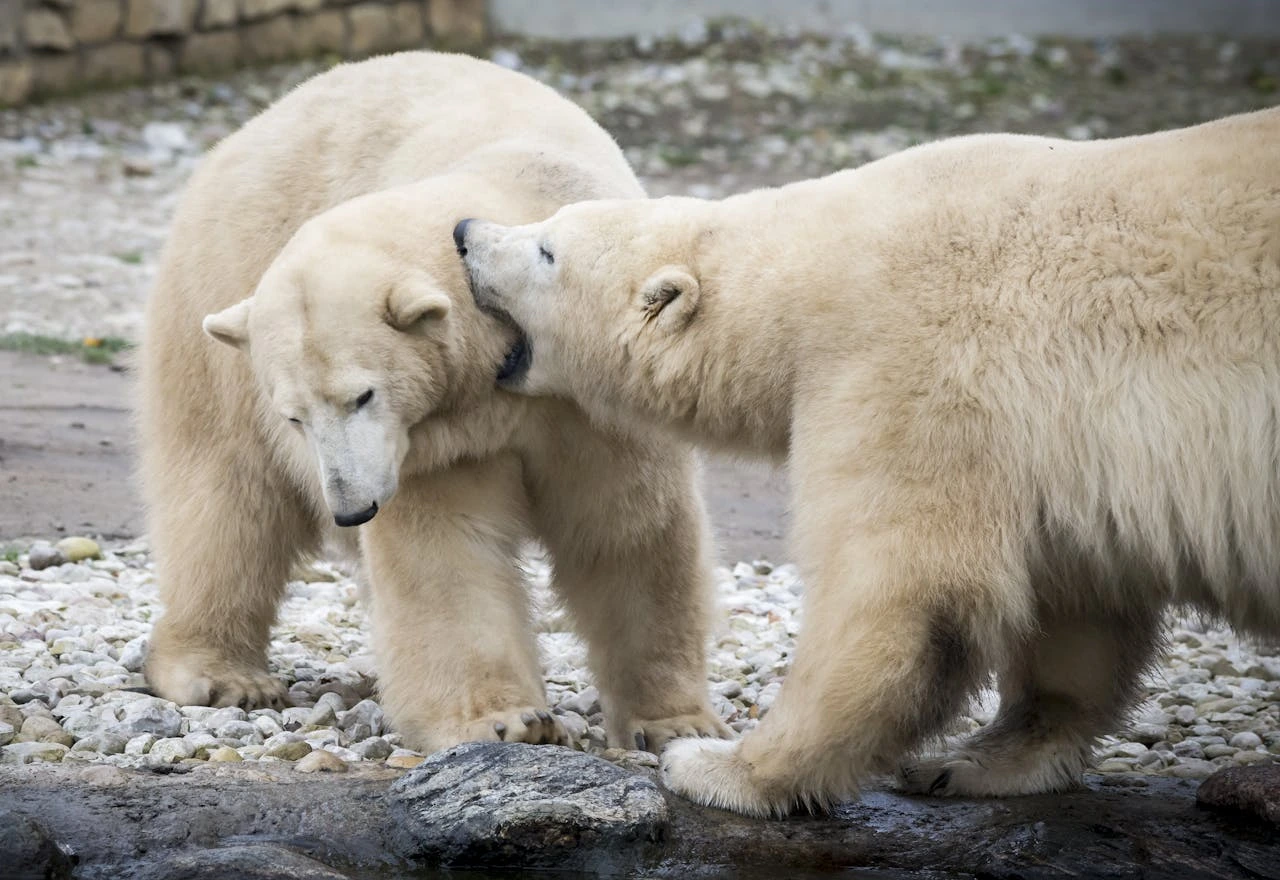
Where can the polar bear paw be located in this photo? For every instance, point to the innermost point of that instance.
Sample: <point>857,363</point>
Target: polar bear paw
<point>525,724</point>
<point>196,681</point>
<point>653,735</point>
<point>713,773</point>
<point>965,775</point>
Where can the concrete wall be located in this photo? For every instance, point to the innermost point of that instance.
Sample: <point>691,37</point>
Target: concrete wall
<point>958,18</point>
<point>52,46</point>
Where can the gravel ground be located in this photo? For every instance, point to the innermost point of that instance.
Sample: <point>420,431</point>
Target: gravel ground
<point>73,639</point>
<point>87,187</point>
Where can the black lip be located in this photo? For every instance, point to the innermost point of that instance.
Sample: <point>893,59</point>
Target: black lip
<point>518,359</point>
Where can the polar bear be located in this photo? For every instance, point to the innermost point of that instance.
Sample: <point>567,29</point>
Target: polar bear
<point>1029,393</point>
<point>356,388</point>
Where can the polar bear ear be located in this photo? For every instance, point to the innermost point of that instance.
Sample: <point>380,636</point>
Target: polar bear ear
<point>408,304</point>
<point>669,297</point>
<point>231,325</point>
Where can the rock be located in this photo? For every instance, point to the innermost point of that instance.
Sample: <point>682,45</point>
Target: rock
<point>245,861</point>
<point>218,13</point>
<point>1253,790</point>
<point>528,806</point>
<point>224,754</point>
<point>321,716</point>
<point>31,752</point>
<point>42,555</point>
<point>1219,750</point>
<point>1185,715</point>
<point>29,851</point>
<point>1144,735</point>
<point>7,733</point>
<point>45,29</point>
<point>373,749</point>
<point>134,654</point>
<point>76,549</point>
<point>586,703</point>
<point>150,715</point>
<point>104,743</point>
<point>95,21</point>
<point>289,751</point>
<point>320,761</point>
<point>403,759</point>
<point>364,712</point>
<point>147,18</point>
<point>140,744</point>
<point>47,730</point>
<point>1192,768</point>
<point>1246,739</point>
<point>170,750</point>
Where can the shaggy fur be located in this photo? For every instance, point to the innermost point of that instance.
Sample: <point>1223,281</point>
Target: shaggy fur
<point>335,206</point>
<point>1029,392</point>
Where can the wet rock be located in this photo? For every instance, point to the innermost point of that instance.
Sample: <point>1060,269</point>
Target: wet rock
<point>517,804</point>
<point>28,852</point>
<point>1253,790</point>
<point>251,861</point>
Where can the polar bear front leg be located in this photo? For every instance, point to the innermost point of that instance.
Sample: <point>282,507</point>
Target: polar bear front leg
<point>225,534</point>
<point>456,654</point>
<point>902,611</point>
<point>624,524</point>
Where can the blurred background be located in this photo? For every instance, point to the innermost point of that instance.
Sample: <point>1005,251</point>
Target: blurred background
<point>110,104</point>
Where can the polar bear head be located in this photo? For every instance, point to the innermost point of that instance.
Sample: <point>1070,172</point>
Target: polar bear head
<point>354,339</point>
<point>604,294</point>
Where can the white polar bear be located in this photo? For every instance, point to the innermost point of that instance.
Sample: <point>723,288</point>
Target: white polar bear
<point>366,387</point>
<point>1029,391</point>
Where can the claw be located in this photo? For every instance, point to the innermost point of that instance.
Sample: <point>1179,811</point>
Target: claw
<point>500,729</point>
<point>642,743</point>
<point>941,782</point>
<point>544,716</point>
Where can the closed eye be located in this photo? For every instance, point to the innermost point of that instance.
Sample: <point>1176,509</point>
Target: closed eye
<point>364,398</point>
<point>547,256</point>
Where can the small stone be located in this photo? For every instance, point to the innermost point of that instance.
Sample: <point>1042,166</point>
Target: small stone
<point>150,715</point>
<point>224,755</point>
<point>1246,739</point>
<point>1111,766</point>
<point>170,750</point>
<point>104,743</point>
<point>76,549</point>
<point>321,716</point>
<point>727,689</point>
<point>7,733</point>
<point>1143,735</point>
<point>364,712</point>
<point>289,751</point>
<point>403,759</point>
<point>1192,768</point>
<point>32,752</point>
<point>40,729</point>
<point>1185,715</point>
<point>586,703</point>
<point>134,654</point>
<point>320,761</point>
<point>373,749</point>
<point>42,555</point>
<point>45,29</point>
<point>1223,666</point>
<point>1219,750</point>
<point>140,744</point>
<point>241,731</point>
<point>1251,757</point>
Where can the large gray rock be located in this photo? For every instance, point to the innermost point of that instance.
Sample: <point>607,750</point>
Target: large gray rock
<point>512,804</point>
<point>1253,790</point>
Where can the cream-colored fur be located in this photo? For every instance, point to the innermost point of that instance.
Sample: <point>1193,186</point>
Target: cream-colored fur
<point>333,210</point>
<point>1029,392</point>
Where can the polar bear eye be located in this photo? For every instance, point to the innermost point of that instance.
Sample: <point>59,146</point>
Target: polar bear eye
<point>364,398</point>
<point>293,421</point>
<point>547,256</point>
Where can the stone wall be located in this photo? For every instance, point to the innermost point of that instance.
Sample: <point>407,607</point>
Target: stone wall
<point>54,46</point>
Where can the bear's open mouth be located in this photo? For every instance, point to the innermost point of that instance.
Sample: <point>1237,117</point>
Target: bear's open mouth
<point>517,361</point>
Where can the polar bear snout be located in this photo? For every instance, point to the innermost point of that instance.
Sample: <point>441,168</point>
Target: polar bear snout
<point>346,520</point>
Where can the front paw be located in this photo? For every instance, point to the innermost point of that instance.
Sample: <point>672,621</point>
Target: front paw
<point>524,724</point>
<point>712,772</point>
<point>200,680</point>
<point>653,735</point>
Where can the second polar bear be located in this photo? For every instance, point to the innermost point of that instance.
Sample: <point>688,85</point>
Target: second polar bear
<point>1029,392</point>
<point>356,387</point>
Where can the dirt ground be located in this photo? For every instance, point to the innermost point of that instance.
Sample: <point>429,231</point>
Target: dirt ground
<point>66,464</point>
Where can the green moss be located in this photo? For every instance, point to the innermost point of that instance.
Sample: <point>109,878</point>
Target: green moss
<point>92,351</point>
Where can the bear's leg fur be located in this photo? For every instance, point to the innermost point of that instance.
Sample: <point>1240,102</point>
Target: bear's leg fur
<point>908,599</point>
<point>1069,683</point>
<point>457,660</point>
<point>628,538</point>
<point>226,529</point>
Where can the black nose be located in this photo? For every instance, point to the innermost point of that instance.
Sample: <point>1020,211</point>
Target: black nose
<point>355,519</point>
<point>460,236</point>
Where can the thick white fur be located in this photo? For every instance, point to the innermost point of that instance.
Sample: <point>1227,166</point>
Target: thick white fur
<point>1029,391</point>
<point>379,160</point>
